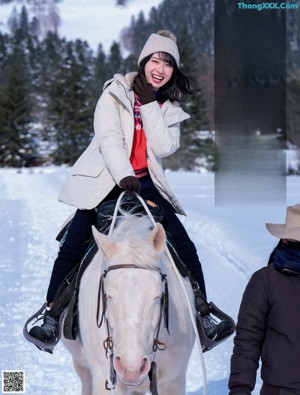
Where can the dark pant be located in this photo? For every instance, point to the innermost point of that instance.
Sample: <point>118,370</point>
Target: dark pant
<point>80,232</point>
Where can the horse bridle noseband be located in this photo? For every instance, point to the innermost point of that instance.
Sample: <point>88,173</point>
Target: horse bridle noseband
<point>108,342</point>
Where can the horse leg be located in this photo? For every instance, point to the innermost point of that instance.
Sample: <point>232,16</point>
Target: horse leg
<point>142,390</point>
<point>80,364</point>
<point>99,383</point>
<point>85,377</point>
<point>171,381</point>
<point>92,379</point>
<point>175,387</point>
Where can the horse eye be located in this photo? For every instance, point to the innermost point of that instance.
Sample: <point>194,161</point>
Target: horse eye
<point>157,297</point>
<point>109,297</point>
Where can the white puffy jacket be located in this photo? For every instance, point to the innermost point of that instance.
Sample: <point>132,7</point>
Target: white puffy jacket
<point>106,160</point>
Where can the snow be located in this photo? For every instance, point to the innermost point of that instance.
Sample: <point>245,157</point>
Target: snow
<point>232,243</point>
<point>96,21</point>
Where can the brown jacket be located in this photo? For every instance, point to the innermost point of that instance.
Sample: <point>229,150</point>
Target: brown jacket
<point>268,328</point>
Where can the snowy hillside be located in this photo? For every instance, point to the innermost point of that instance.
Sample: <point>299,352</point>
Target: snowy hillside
<point>96,21</point>
<point>231,241</point>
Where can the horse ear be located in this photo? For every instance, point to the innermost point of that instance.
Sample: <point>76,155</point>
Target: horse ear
<point>158,238</point>
<point>103,242</point>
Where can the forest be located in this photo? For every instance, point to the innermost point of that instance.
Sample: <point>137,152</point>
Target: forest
<point>50,86</point>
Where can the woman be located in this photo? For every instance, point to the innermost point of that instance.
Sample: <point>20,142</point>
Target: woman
<point>268,325</point>
<point>136,124</point>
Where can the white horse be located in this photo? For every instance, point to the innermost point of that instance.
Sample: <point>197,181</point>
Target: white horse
<point>123,325</point>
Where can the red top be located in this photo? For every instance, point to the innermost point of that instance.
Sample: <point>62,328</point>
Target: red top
<point>138,157</point>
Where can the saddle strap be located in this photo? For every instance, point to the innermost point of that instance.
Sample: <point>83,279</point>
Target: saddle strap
<point>64,293</point>
<point>71,321</point>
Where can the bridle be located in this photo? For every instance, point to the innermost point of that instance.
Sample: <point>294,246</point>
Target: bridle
<point>108,342</point>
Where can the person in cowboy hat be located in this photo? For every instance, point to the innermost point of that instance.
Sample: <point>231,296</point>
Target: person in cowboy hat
<point>136,123</point>
<point>268,325</point>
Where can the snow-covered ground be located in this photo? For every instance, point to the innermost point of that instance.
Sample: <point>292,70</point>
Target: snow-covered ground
<point>232,243</point>
<point>96,21</point>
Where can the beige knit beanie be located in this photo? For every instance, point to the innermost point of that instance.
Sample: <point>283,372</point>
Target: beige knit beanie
<point>162,41</point>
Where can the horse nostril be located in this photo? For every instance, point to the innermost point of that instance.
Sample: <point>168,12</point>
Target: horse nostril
<point>123,368</point>
<point>145,366</point>
<point>118,364</point>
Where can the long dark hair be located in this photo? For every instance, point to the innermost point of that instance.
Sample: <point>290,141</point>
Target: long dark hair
<point>178,87</point>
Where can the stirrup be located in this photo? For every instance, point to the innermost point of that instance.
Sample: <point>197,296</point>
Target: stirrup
<point>47,347</point>
<point>207,343</point>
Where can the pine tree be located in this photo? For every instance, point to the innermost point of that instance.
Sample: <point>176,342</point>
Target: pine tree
<point>47,14</point>
<point>4,49</point>
<point>139,33</point>
<point>115,61</point>
<point>48,55</point>
<point>13,22</point>
<point>130,63</point>
<point>71,104</point>
<point>101,73</point>
<point>17,141</point>
<point>24,23</point>
<point>34,28</point>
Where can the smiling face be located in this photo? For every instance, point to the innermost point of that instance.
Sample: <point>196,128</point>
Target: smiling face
<point>158,71</point>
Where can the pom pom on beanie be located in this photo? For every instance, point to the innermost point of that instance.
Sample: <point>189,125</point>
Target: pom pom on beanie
<point>162,41</point>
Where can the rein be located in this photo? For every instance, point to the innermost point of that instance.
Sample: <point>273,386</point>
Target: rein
<point>186,297</point>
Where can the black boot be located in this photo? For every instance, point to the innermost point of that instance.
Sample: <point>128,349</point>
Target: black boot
<point>215,330</point>
<point>48,331</point>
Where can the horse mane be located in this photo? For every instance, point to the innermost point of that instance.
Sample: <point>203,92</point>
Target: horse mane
<point>133,224</point>
<point>131,234</point>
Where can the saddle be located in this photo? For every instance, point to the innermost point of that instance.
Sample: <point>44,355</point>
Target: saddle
<point>64,306</point>
<point>66,298</point>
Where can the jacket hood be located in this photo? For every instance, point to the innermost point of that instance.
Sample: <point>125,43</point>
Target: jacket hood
<point>172,110</point>
<point>125,80</point>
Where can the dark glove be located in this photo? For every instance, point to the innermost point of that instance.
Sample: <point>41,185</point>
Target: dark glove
<point>143,89</point>
<point>131,184</point>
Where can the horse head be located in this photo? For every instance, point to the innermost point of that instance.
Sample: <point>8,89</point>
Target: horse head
<point>133,290</point>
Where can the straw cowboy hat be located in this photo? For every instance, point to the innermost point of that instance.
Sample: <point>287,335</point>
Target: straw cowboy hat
<point>291,228</point>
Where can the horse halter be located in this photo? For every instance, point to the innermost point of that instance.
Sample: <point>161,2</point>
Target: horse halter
<point>108,342</point>
<point>102,295</point>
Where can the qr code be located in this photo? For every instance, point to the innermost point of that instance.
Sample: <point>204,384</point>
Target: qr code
<point>13,381</point>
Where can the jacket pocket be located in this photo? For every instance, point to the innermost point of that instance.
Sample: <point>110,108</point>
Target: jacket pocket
<point>88,171</point>
<point>89,164</point>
